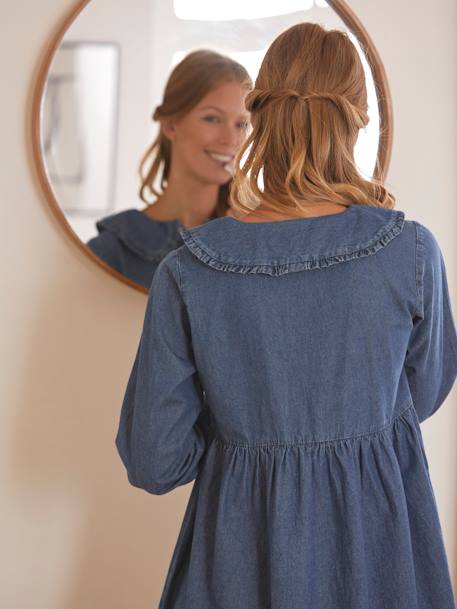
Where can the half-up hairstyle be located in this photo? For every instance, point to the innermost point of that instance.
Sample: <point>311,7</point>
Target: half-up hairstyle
<point>191,79</point>
<point>307,107</point>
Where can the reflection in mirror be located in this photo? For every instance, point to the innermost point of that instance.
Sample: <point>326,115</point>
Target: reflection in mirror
<point>110,167</point>
<point>188,167</point>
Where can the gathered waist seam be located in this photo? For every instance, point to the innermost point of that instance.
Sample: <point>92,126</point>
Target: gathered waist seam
<point>224,442</point>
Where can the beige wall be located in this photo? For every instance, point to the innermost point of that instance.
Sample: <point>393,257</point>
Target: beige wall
<point>74,534</point>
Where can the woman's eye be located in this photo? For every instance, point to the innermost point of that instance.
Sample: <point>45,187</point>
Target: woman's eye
<point>243,125</point>
<point>211,119</point>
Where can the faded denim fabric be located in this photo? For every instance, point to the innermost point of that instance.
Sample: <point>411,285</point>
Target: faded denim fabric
<point>133,243</point>
<point>286,367</point>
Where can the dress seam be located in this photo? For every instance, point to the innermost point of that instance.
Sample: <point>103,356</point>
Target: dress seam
<point>221,441</point>
<point>420,257</point>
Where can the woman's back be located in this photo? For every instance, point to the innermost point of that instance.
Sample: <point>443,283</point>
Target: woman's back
<point>286,366</point>
<point>301,321</point>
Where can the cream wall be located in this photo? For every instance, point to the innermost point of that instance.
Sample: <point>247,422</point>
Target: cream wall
<point>74,534</point>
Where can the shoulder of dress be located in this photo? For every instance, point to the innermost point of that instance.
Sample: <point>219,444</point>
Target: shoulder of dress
<point>277,248</point>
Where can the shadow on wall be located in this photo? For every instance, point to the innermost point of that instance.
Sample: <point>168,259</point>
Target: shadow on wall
<point>96,540</point>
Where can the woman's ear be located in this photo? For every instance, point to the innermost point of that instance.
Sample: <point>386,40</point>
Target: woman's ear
<point>168,126</point>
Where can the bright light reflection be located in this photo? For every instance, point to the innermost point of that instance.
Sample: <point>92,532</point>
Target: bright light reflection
<point>208,10</point>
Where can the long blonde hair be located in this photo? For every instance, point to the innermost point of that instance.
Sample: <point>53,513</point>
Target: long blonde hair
<point>191,79</point>
<point>307,107</point>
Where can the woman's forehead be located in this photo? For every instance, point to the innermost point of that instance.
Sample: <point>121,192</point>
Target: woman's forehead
<point>225,97</point>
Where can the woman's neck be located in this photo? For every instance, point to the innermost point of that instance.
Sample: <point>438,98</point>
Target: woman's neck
<point>263,213</point>
<point>187,201</point>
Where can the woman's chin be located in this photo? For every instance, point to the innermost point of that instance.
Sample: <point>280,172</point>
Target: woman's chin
<point>226,176</point>
<point>227,179</point>
<point>220,179</point>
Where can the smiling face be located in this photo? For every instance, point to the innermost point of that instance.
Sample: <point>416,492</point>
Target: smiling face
<point>205,140</point>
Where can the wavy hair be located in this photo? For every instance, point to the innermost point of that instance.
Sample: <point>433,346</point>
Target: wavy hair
<point>191,79</point>
<point>308,104</point>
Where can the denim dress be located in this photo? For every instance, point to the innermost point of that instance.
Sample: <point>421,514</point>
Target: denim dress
<point>285,368</point>
<point>133,243</point>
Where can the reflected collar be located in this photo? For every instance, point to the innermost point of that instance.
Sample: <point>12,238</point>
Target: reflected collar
<point>148,238</point>
<point>276,248</point>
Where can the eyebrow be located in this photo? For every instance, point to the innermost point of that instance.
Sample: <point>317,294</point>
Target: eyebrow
<point>219,110</point>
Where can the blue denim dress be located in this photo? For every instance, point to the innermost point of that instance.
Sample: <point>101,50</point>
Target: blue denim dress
<point>285,368</point>
<point>133,243</point>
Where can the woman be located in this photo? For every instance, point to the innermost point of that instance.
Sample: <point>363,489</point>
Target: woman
<point>286,362</point>
<point>202,124</point>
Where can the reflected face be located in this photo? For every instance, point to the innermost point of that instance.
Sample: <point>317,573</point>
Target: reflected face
<point>206,139</point>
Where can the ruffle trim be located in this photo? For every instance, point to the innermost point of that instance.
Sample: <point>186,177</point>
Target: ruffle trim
<point>302,263</point>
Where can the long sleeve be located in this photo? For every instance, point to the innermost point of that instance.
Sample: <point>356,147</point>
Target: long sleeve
<point>161,437</point>
<point>431,359</point>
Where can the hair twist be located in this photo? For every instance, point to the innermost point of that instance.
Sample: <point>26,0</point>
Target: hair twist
<point>258,99</point>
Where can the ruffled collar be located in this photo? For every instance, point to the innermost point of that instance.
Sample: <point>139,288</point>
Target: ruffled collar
<point>147,238</point>
<point>276,248</point>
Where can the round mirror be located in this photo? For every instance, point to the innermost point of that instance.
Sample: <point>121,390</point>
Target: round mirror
<point>101,79</point>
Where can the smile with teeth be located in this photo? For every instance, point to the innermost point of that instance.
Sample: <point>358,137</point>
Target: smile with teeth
<point>220,158</point>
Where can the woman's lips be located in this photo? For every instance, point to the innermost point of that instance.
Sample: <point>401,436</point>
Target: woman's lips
<point>225,160</point>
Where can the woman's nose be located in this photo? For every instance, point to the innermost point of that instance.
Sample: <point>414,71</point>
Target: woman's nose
<point>231,136</point>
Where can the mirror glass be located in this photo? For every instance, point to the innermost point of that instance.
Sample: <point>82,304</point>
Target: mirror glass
<point>105,80</point>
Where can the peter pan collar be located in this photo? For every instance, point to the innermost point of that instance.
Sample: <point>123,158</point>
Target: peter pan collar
<point>276,248</point>
<point>147,238</point>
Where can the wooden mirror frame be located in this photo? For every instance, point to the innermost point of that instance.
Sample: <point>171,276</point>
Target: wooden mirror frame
<point>339,6</point>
